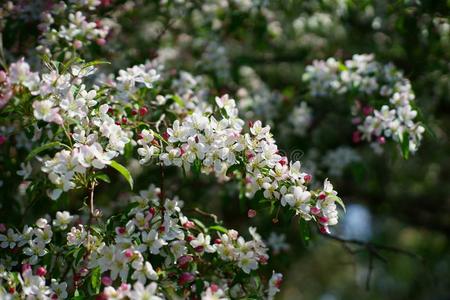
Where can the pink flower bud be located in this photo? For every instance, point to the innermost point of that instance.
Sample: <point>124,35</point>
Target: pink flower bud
<point>143,111</point>
<point>323,220</point>
<point>356,137</point>
<point>381,140</point>
<point>121,230</point>
<point>2,139</point>
<point>84,272</point>
<point>41,271</point>
<point>26,267</point>
<point>77,44</point>
<point>2,227</point>
<point>189,225</point>
<point>324,229</point>
<point>367,110</point>
<point>3,76</point>
<point>184,261</point>
<point>186,278</point>
<point>106,280</point>
<point>165,135</point>
<point>199,249</point>
<point>214,287</point>
<point>101,296</point>
<point>307,178</point>
<point>315,210</point>
<point>152,211</point>
<point>251,213</point>
<point>217,241</point>
<point>101,42</point>
<point>128,253</point>
<point>322,196</point>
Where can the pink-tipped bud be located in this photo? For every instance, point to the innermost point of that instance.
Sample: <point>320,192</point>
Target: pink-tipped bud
<point>143,111</point>
<point>77,44</point>
<point>278,283</point>
<point>2,139</point>
<point>106,280</point>
<point>251,213</point>
<point>217,241</point>
<point>189,225</point>
<point>3,76</point>
<point>283,161</point>
<point>323,220</point>
<point>165,135</point>
<point>199,249</point>
<point>367,110</point>
<point>84,272</point>
<point>263,259</point>
<point>356,137</point>
<point>2,227</point>
<point>189,238</point>
<point>26,267</point>
<point>315,210</point>
<point>121,230</point>
<point>152,211</point>
<point>41,271</point>
<point>101,42</point>
<point>128,253</point>
<point>214,287</point>
<point>322,196</point>
<point>124,120</point>
<point>324,229</point>
<point>184,261</point>
<point>381,140</point>
<point>186,278</point>
<point>307,178</point>
<point>101,296</point>
<point>134,112</point>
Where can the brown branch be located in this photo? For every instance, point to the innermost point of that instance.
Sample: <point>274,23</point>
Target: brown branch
<point>373,249</point>
<point>205,214</point>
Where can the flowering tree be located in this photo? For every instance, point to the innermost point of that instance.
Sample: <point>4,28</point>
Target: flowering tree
<point>93,110</point>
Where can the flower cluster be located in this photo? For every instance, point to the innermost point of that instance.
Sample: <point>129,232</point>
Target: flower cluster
<point>335,161</point>
<point>67,27</point>
<point>215,146</point>
<point>155,249</point>
<point>393,117</point>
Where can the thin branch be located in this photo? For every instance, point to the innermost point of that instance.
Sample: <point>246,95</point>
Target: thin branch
<point>204,213</point>
<point>373,249</point>
<point>374,246</point>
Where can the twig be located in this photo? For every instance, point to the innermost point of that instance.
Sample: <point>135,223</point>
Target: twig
<point>373,249</point>
<point>204,213</point>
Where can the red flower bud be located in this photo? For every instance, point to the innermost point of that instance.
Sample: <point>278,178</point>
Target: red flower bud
<point>186,278</point>
<point>41,271</point>
<point>143,111</point>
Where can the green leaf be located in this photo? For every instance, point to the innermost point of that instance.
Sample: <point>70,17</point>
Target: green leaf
<point>196,167</point>
<point>339,201</point>
<point>95,280</point>
<point>95,62</point>
<point>102,177</point>
<point>124,171</point>
<point>304,232</point>
<point>405,145</point>
<point>42,148</point>
<point>199,224</point>
<point>218,228</point>
<point>178,100</point>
